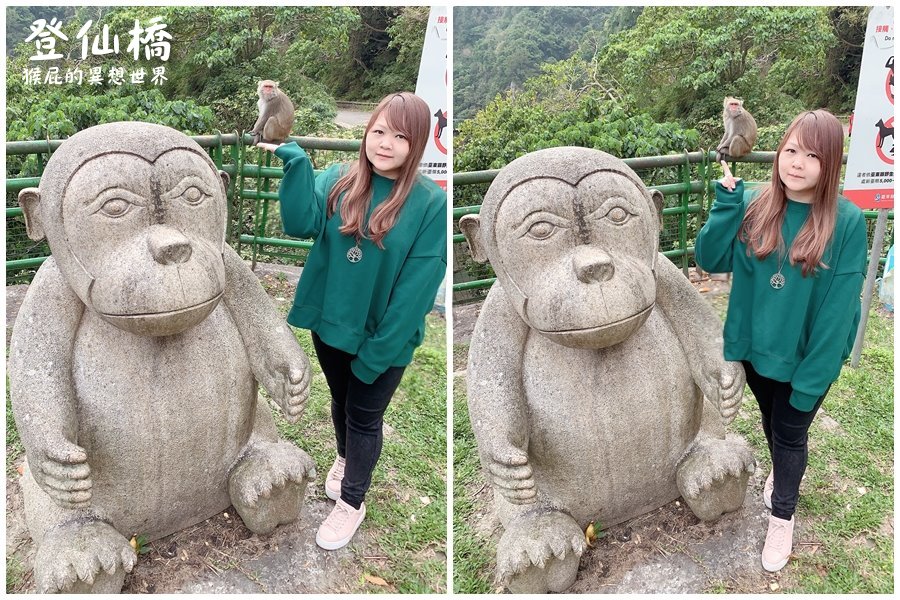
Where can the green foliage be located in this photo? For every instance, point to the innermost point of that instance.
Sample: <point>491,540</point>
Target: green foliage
<point>565,106</point>
<point>382,55</point>
<point>680,62</point>
<point>498,48</point>
<point>218,54</point>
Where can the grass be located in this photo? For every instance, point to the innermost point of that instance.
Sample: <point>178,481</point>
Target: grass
<point>407,503</point>
<point>846,502</point>
<point>473,555</point>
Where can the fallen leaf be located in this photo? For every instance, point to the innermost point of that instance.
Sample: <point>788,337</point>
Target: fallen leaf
<point>375,580</point>
<point>21,469</point>
<point>133,543</point>
<point>590,535</point>
<point>861,490</point>
<point>774,586</point>
<point>425,500</point>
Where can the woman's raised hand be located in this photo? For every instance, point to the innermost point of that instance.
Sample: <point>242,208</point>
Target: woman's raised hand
<point>268,146</point>
<point>727,180</point>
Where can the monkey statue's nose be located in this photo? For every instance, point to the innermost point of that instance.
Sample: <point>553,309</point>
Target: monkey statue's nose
<point>168,246</point>
<point>592,265</point>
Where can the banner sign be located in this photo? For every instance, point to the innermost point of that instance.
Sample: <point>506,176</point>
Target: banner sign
<point>869,180</point>
<point>431,86</point>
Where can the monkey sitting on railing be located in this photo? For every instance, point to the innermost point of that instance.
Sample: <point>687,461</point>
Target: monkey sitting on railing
<point>276,114</point>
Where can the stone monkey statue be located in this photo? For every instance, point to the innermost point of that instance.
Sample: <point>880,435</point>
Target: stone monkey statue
<point>276,114</point>
<point>740,130</point>
<point>587,368</point>
<point>135,358</point>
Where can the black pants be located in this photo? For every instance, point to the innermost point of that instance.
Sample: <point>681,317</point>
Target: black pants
<point>357,411</point>
<point>786,431</point>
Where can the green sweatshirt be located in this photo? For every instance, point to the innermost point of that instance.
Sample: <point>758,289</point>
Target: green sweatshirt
<point>803,332</point>
<point>375,308</point>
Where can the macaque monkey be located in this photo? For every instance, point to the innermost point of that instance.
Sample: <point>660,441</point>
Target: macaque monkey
<point>740,131</point>
<point>276,114</point>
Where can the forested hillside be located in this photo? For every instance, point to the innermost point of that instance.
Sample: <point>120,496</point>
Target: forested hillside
<point>498,48</point>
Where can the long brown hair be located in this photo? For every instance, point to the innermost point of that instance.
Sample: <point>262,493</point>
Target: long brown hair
<point>408,114</point>
<point>820,132</point>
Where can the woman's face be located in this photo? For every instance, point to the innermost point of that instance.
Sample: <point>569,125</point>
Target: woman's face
<point>799,169</point>
<point>386,148</point>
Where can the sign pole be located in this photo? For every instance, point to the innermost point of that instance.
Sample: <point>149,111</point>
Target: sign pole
<point>868,290</point>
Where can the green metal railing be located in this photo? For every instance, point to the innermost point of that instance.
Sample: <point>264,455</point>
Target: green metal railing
<point>692,195</point>
<point>253,228</point>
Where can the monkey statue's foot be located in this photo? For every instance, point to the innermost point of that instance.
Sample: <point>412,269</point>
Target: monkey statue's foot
<point>540,553</point>
<point>81,557</point>
<point>268,484</point>
<point>712,478</point>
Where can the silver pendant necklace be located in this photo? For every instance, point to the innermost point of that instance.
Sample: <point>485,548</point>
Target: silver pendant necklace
<point>354,254</point>
<point>777,280</point>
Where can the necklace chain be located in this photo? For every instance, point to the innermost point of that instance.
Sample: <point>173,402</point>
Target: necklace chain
<point>777,280</point>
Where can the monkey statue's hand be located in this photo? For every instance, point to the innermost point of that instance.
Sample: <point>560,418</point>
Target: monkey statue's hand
<point>62,471</point>
<point>288,384</point>
<point>512,476</point>
<point>724,387</point>
<point>268,146</point>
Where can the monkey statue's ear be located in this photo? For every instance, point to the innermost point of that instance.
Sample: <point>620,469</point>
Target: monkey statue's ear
<point>225,179</point>
<point>30,201</point>
<point>470,225</point>
<point>658,200</point>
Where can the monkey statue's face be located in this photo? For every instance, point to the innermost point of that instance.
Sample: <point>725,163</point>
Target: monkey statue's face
<point>135,217</point>
<point>583,255</point>
<point>149,232</point>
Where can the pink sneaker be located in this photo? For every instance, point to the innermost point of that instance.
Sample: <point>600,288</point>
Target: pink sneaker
<point>767,490</point>
<point>334,478</point>
<point>779,542</point>
<point>338,529</point>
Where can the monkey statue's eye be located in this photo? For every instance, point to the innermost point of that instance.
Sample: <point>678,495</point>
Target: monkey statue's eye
<point>617,215</point>
<point>541,230</point>
<point>115,207</point>
<point>193,195</point>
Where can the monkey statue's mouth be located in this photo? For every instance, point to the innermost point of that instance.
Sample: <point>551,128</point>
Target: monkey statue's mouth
<point>603,336</point>
<point>164,323</point>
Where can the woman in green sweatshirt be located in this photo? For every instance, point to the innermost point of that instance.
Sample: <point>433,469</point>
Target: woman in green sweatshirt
<point>379,256</point>
<point>797,252</point>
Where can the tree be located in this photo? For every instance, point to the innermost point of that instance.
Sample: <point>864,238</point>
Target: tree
<point>498,48</point>
<point>680,62</point>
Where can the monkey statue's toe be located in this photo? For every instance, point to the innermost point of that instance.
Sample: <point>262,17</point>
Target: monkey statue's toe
<point>713,476</point>
<point>83,556</point>
<point>539,553</point>
<point>268,484</point>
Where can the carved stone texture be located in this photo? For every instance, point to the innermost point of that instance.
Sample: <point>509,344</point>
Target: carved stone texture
<point>136,357</point>
<point>597,386</point>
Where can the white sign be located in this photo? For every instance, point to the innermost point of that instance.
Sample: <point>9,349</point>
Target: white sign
<point>431,86</point>
<point>869,180</point>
